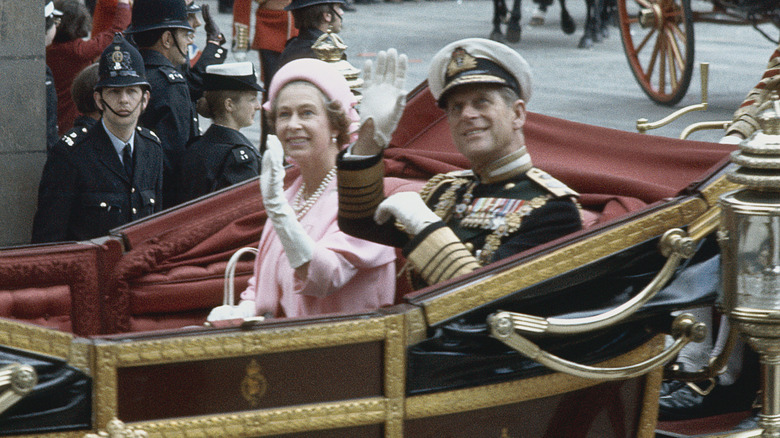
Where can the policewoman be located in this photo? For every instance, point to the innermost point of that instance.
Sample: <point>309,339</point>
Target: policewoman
<point>223,156</point>
<point>466,219</point>
<point>100,178</point>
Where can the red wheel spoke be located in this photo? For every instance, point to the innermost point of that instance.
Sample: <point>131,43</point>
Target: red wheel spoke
<point>645,40</point>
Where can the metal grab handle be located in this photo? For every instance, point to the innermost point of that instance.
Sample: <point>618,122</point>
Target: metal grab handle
<point>675,244</point>
<point>684,329</point>
<point>16,381</point>
<point>642,125</point>
<point>228,297</point>
<point>714,368</point>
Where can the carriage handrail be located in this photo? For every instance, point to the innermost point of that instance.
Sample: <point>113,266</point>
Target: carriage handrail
<point>675,244</point>
<point>684,330</point>
<point>16,381</point>
<point>642,125</point>
<point>701,126</point>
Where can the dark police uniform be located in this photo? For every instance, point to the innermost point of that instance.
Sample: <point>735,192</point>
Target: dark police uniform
<point>51,111</point>
<point>300,46</point>
<point>85,191</point>
<point>483,221</point>
<point>219,158</point>
<point>170,114</point>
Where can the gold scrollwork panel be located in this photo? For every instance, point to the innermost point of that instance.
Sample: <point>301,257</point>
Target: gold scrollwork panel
<point>390,330</point>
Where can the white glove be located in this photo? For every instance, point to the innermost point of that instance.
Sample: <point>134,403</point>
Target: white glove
<point>409,209</point>
<point>239,55</point>
<point>730,139</point>
<point>244,309</point>
<point>298,246</point>
<point>384,97</point>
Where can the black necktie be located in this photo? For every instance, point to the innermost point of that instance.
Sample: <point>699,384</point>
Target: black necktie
<point>127,160</point>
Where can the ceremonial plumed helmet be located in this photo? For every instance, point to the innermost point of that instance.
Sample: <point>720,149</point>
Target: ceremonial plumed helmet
<point>231,76</point>
<point>298,4</point>
<point>478,61</point>
<point>121,65</point>
<point>158,14</point>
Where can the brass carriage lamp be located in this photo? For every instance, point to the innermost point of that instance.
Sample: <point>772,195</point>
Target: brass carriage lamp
<point>750,255</point>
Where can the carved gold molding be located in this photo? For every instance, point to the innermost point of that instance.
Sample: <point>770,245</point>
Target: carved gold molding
<point>488,396</point>
<point>274,421</point>
<point>720,186</point>
<point>483,291</point>
<point>36,339</point>
<point>648,420</point>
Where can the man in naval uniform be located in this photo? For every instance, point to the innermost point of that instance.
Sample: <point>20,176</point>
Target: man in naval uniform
<point>100,178</point>
<point>162,32</point>
<point>460,220</point>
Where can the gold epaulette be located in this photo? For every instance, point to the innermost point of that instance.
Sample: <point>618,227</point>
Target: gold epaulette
<point>549,183</point>
<point>441,179</point>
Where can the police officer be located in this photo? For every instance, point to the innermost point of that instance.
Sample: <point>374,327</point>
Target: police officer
<point>162,32</point>
<point>461,220</point>
<point>312,18</point>
<point>223,156</point>
<point>98,179</point>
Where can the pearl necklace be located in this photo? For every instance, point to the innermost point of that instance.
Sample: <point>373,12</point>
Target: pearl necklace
<point>301,205</point>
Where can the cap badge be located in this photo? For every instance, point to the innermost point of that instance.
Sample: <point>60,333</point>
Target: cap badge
<point>460,61</point>
<point>117,58</point>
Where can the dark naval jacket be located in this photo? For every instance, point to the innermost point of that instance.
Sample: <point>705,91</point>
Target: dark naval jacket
<point>85,191</point>
<point>483,220</point>
<point>170,114</point>
<point>219,158</point>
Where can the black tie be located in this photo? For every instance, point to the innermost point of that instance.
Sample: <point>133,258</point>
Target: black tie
<point>127,160</point>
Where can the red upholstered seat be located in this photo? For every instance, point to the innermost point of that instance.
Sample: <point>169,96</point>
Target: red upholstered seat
<point>171,274</point>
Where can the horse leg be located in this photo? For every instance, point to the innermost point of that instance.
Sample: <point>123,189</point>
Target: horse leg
<point>608,16</point>
<point>588,35</point>
<point>567,23</point>
<point>513,29</point>
<point>537,19</point>
<point>499,11</point>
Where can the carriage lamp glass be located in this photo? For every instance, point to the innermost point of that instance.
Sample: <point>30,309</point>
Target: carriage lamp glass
<point>749,236</point>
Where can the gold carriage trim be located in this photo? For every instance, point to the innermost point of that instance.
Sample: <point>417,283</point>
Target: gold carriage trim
<point>360,191</point>
<point>441,256</point>
<point>503,283</point>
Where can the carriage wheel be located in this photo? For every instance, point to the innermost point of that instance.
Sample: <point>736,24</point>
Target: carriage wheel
<point>658,41</point>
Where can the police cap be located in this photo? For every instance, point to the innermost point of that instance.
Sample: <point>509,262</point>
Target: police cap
<point>478,61</point>
<point>158,14</point>
<point>231,76</point>
<point>121,65</point>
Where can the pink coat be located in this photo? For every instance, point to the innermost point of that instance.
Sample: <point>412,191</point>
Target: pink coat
<point>346,274</point>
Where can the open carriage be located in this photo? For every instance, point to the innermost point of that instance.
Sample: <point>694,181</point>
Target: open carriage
<point>658,37</point>
<point>114,328</point>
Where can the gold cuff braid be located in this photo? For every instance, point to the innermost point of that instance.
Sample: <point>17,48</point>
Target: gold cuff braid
<point>241,37</point>
<point>361,191</point>
<point>441,256</point>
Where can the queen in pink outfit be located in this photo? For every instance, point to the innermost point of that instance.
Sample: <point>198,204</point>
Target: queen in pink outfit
<point>306,265</point>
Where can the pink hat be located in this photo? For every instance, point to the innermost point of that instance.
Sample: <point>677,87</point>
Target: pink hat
<point>323,76</point>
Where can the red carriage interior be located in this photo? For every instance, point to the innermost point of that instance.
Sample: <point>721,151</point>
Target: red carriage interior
<point>171,273</point>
